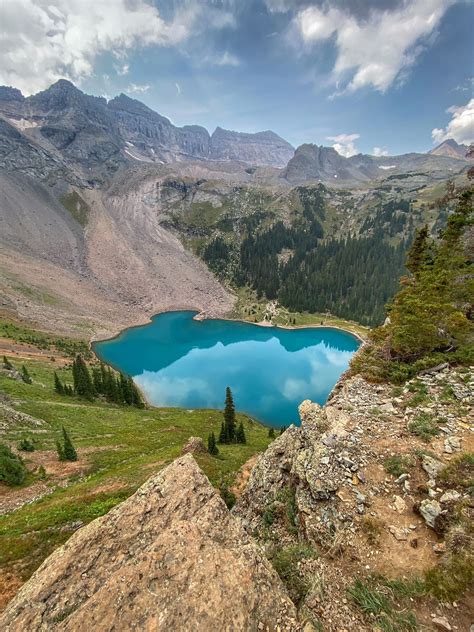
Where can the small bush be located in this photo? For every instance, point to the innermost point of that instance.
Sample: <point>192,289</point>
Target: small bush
<point>424,426</point>
<point>12,469</point>
<point>26,445</point>
<point>398,464</point>
<point>227,496</point>
<point>286,563</point>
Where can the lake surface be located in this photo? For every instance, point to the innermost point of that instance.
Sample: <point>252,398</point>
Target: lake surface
<point>178,361</point>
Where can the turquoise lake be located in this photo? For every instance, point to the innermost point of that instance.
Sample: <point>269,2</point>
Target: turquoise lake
<point>181,362</point>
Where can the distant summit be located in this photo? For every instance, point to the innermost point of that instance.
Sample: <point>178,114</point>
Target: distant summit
<point>90,130</point>
<point>450,148</point>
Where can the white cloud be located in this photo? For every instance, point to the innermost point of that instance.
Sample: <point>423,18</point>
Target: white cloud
<point>379,151</point>
<point>377,51</point>
<point>460,127</point>
<point>178,88</point>
<point>136,88</point>
<point>122,70</point>
<point>344,144</point>
<point>45,40</point>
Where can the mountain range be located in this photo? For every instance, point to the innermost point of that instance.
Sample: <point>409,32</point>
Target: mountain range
<point>106,207</point>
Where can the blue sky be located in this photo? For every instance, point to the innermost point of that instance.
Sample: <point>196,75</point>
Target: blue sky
<point>357,74</point>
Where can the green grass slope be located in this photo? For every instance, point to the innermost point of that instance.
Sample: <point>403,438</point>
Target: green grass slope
<point>119,448</point>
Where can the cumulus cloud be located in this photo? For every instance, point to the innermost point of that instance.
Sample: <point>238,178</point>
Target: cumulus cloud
<point>344,144</point>
<point>44,40</point>
<point>460,127</point>
<point>378,50</point>
<point>379,151</point>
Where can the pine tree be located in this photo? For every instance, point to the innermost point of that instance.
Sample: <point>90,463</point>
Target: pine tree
<point>211,445</point>
<point>25,376</point>
<point>418,255</point>
<point>7,364</point>
<point>58,385</point>
<point>97,379</point>
<point>69,451</point>
<point>240,434</point>
<point>60,450</point>
<point>282,430</point>
<point>229,417</point>
<point>222,434</point>
<point>271,433</point>
<point>83,384</point>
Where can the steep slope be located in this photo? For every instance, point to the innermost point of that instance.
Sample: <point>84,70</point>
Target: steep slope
<point>171,555</point>
<point>262,148</point>
<point>81,261</point>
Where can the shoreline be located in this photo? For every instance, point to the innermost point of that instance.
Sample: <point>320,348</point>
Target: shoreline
<point>200,315</point>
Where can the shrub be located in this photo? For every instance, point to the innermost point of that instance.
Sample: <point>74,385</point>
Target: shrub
<point>26,445</point>
<point>12,469</point>
<point>397,464</point>
<point>424,426</point>
<point>227,496</point>
<point>286,562</point>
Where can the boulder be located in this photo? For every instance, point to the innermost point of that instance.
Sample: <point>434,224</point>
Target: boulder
<point>194,445</point>
<point>430,510</point>
<point>171,557</point>
<point>431,466</point>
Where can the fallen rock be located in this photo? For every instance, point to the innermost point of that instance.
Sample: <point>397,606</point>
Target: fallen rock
<point>441,623</point>
<point>168,558</point>
<point>398,533</point>
<point>430,510</point>
<point>431,466</point>
<point>399,504</point>
<point>194,445</point>
<point>450,496</point>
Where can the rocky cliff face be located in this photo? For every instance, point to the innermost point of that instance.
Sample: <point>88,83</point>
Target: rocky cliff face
<point>363,483</point>
<point>263,148</point>
<point>96,134</point>
<point>171,557</point>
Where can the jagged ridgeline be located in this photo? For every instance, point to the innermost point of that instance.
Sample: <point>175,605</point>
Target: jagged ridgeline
<point>307,266</point>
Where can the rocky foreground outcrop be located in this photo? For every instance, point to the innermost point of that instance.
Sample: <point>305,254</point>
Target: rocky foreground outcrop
<point>171,557</point>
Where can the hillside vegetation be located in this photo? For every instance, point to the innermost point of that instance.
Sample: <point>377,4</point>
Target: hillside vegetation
<point>430,319</point>
<point>119,447</point>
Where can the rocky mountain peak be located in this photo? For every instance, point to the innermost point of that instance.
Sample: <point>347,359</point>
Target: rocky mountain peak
<point>170,555</point>
<point>450,148</point>
<point>259,148</point>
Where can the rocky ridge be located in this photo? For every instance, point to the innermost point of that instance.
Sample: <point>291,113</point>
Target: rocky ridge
<point>373,497</point>
<point>93,133</point>
<point>169,557</point>
<point>371,488</point>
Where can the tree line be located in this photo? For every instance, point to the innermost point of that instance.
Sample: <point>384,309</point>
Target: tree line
<point>352,278</point>
<point>114,386</point>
